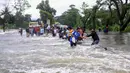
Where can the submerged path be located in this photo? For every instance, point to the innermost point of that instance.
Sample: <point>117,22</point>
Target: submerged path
<point>53,55</point>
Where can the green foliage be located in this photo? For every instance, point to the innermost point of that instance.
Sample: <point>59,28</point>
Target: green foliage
<point>22,21</point>
<point>103,14</point>
<point>114,28</point>
<point>27,18</point>
<point>11,21</point>
<point>19,19</point>
<point>71,17</point>
<point>21,5</point>
<point>46,12</point>
<point>127,29</point>
<point>87,16</point>
<point>25,24</point>
<point>10,26</point>
<point>7,16</point>
<point>0,26</point>
<point>44,5</point>
<point>119,12</point>
<point>48,15</point>
<point>2,21</point>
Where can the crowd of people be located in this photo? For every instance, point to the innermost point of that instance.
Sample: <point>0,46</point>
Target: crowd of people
<point>31,31</point>
<point>68,33</point>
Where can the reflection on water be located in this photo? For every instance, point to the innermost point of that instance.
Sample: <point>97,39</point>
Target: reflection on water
<point>120,39</point>
<point>53,55</point>
<point>116,40</point>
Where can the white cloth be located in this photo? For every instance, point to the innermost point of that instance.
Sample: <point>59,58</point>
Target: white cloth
<point>73,40</point>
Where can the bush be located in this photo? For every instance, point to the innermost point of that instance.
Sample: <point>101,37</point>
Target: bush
<point>114,28</point>
<point>127,29</point>
<point>24,25</point>
<point>0,27</point>
<point>10,26</point>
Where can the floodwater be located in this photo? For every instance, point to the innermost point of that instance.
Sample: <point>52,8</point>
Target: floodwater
<point>47,54</point>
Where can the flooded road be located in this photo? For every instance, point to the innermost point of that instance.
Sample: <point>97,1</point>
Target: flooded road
<point>47,54</point>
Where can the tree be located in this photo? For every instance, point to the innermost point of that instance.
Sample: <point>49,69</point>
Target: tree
<point>118,10</point>
<point>90,14</point>
<point>94,11</point>
<point>6,17</point>
<point>19,19</point>
<point>2,22</point>
<point>27,18</point>
<point>71,17</point>
<point>20,6</point>
<point>87,13</point>
<point>46,15</point>
<point>46,11</point>
<point>72,6</point>
<point>122,10</point>
<point>107,14</point>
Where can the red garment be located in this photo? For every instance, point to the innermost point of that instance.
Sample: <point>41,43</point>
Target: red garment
<point>80,31</point>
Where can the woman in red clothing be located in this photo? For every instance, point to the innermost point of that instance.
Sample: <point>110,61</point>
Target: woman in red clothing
<point>81,33</point>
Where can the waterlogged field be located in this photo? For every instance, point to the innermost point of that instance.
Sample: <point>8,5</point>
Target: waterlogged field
<point>47,54</point>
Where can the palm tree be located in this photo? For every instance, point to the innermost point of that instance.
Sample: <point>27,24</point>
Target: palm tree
<point>5,17</point>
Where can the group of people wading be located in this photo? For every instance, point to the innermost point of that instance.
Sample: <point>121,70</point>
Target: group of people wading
<point>78,35</point>
<point>72,35</point>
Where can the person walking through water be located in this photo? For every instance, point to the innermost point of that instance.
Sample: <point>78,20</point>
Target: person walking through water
<point>81,37</point>
<point>73,36</point>
<point>21,31</point>
<point>95,37</point>
<point>27,32</point>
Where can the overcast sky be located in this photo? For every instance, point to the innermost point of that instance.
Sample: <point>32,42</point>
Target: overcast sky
<point>59,5</point>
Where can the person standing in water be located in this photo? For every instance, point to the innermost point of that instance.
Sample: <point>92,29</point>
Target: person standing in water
<point>27,32</point>
<point>21,31</point>
<point>80,30</point>
<point>71,38</point>
<point>95,37</point>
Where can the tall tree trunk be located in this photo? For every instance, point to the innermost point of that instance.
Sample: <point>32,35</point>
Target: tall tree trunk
<point>94,16</point>
<point>86,21</point>
<point>94,25</point>
<point>125,25</point>
<point>122,10</point>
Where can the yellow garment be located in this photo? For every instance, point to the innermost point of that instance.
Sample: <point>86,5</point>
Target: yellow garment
<point>70,32</point>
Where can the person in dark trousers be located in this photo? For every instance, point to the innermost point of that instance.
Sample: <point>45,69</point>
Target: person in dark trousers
<point>53,32</point>
<point>71,37</point>
<point>27,32</point>
<point>100,29</point>
<point>21,31</point>
<point>95,37</point>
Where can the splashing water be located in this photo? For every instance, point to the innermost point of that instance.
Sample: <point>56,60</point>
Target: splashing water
<point>53,55</point>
